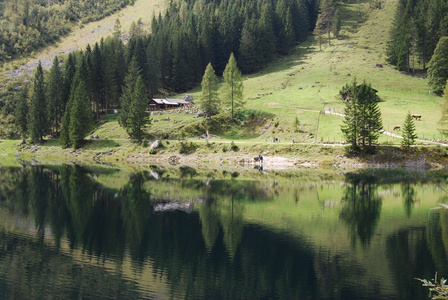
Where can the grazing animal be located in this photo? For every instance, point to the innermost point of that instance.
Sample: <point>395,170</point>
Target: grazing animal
<point>397,127</point>
<point>417,117</point>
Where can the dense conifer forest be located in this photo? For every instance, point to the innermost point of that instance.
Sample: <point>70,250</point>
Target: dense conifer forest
<point>416,29</point>
<point>173,57</point>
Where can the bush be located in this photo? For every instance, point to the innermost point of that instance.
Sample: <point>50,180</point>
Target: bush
<point>234,147</point>
<point>224,149</point>
<point>437,290</point>
<point>144,144</point>
<point>187,148</point>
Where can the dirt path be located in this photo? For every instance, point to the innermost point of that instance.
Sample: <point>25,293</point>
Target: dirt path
<point>91,33</point>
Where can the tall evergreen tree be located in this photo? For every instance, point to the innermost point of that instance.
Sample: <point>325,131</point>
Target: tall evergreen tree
<point>209,100</point>
<point>98,76</point>
<point>362,120</point>
<point>55,94</point>
<point>408,132</point>
<point>233,85</point>
<point>22,110</point>
<point>138,117</point>
<point>38,107</point>
<point>81,116</point>
<point>443,122</point>
<point>128,90</point>
<point>438,66</point>
<point>326,17</point>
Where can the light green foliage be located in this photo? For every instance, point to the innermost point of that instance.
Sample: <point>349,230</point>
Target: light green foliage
<point>438,66</point>
<point>408,132</point>
<point>437,290</point>
<point>138,118</point>
<point>209,97</point>
<point>233,85</point>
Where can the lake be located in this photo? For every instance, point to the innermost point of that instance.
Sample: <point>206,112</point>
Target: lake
<point>73,232</point>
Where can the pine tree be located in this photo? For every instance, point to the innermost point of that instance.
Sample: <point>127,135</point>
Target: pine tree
<point>81,116</point>
<point>443,122</point>
<point>336,23</point>
<point>55,93</point>
<point>128,90</point>
<point>98,82</point>
<point>408,132</point>
<point>38,107</point>
<point>209,97</point>
<point>138,117</point>
<point>362,121</point>
<point>233,85</point>
<point>22,110</point>
<point>438,66</point>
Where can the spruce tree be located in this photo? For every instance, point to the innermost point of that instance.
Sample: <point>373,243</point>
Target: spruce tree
<point>55,93</point>
<point>443,122</point>
<point>209,100</point>
<point>362,121</point>
<point>138,117</point>
<point>408,132</point>
<point>22,110</point>
<point>81,116</point>
<point>38,126</point>
<point>128,90</point>
<point>438,66</point>
<point>233,85</point>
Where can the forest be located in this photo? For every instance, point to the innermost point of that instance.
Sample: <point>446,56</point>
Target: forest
<point>417,27</point>
<point>171,59</point>
<point>27,25</point>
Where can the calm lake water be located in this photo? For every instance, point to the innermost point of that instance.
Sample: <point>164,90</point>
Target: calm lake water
<point>71,232</point>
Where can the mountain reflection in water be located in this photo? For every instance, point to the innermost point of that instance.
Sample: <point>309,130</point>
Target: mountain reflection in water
<point>96,233</point>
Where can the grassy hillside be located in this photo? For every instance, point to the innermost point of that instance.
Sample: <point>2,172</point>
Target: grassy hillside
<point>299,85</point>
<point>308,81</point>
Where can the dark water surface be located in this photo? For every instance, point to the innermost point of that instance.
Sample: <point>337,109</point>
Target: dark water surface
<point>68,232</point>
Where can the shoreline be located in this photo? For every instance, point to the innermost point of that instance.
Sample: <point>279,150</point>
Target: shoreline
<point>276,157</point>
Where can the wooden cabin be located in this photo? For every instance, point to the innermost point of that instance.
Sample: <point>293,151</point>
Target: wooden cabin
<point>169,103</point>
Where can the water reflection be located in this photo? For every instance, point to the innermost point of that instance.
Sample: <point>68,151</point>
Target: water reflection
<point>65,235</point>
<point>361,207</point>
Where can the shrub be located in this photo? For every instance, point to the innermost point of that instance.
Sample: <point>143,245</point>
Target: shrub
<point>234,147</point>
<point>144,143</point>
<point>224,149</point>
<point>187,148</point>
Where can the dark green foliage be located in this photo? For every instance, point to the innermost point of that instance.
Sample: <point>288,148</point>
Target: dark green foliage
<point>81,116</point>
<point>416,30</point>
<point>187,147</point>
<point>234,147</point>
<point>408,132</point>
<point>55,93</point>
<point>438,66</point>
<point>362,121</point>
<point>38,125</point>
<point>138,117</point>
<point>443,122</point>
<point>22,110</point>
<point>128,91</point>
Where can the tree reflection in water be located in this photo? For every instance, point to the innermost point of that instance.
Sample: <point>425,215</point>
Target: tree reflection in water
<point>361,207</point>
